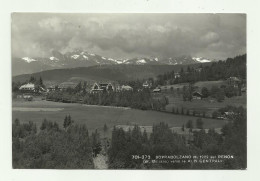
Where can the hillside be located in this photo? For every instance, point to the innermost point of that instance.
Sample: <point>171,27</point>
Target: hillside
<point>102,73</point>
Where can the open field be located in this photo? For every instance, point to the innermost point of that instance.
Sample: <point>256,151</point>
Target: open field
<point>199,85</point>
<point>208,105</point>
<point>204,105</point>
<point>96,116</point>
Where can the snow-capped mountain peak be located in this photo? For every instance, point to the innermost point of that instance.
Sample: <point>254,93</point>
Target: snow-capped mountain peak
<point>80,58</point>
<point>28,60</point>
<point>86,57</point>
<point>74,56</point>
<point>141,61</point>
<point>201,59</point>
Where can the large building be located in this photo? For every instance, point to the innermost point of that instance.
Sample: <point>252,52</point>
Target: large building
<point>29,87</point>
<point>102,87</point>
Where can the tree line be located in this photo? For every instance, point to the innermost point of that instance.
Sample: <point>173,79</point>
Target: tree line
<point>163,141</point>
<point>72,147</point>
<point>221,70</point>
<point>135,99</point>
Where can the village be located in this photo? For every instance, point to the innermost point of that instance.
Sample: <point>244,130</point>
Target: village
<point>181,98</point>
<point>29,90</point>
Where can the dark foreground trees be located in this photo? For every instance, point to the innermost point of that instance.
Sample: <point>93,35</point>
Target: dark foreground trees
<point>128,147</point>
<point>51,147</point>
<point>73,148</point>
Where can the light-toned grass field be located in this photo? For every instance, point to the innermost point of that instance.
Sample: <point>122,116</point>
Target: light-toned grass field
<point>204,105</point>
<point>199,85</point>
<point>96,116</point>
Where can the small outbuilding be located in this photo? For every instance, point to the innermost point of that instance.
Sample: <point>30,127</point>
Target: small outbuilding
<point>196,95</point>
<point>157,90</point>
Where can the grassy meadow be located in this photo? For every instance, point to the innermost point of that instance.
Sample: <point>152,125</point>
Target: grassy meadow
<point>96,116</point>
<point>205,105</point>
<point>208,105</point>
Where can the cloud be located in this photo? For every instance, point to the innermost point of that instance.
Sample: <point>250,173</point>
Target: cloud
<point>210,37</point>
<point>129,35</point>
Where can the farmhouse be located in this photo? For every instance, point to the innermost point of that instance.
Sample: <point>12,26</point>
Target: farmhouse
<point>177,75</point>
<point>28,88</point>
<point>101,87</point>
<point>157,90</point>
<point>31,88</point>
<point>51,88</point>
<point>233,81</point>
<point>126,88</point>
<point>146,84</point>
<point>196,95</point>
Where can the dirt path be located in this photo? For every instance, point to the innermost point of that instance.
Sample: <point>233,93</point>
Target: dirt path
<point>100,162</point>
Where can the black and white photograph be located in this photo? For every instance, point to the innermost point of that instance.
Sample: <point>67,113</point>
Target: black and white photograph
<point>159,91</point>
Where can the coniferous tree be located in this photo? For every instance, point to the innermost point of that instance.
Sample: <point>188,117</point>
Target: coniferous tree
<point>145,136</point>
<point>189,125</point>
<point>199,123</point>
<point>40,81</point>
<point>204,92</point>
<point>105,128</point>
<point>183,127</point>
<point>67,122</point>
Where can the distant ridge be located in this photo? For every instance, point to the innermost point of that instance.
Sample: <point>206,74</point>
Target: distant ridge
<point>79,58</point>
<point>102,73</point>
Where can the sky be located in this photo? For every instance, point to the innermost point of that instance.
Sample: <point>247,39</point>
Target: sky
<point>120,36</point>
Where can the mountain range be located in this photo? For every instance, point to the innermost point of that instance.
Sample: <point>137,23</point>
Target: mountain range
<point>79,58</point>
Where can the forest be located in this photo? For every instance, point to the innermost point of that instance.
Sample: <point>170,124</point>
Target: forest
<point>53,147</point>
<point>135,99</point>
<point>163,141</point>
<point>221,70</point>
<point>73,147</point>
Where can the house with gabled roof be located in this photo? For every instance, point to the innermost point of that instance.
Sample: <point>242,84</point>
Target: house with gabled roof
<point>157,90</point>
<point>124,88</point>
<point>102,87</point>
<point>196,95</point>
<point>29,87</point>
<point>147,84</point>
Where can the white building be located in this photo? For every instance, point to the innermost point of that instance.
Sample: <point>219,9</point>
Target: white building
<point>28,87</point>
<point>126,88</point>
